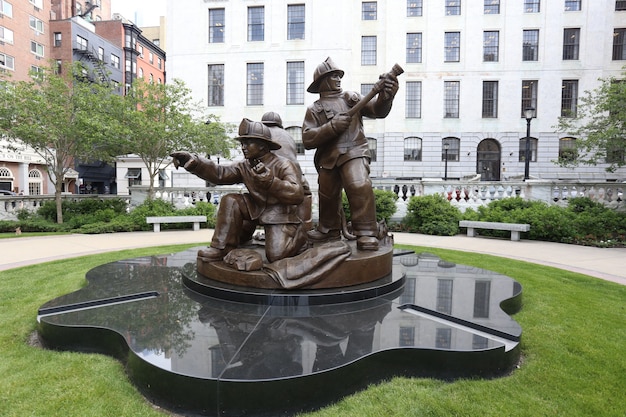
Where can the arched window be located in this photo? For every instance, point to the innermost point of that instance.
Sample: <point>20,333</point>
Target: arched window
<point>413,149</point>
<point>6,179</point>
<point>454,149</point>
<point>567,149</point>
<point>34,182</point>
<point>533,149</point>
<point>372,144</point>
<point>296,134</point>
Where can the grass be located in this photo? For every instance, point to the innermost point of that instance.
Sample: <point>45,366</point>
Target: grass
<point>574,334</point>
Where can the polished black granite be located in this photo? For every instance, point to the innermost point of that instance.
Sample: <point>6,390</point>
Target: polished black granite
<point>209,349</point>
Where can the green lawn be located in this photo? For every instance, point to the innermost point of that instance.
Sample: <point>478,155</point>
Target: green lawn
<point>573,350</point>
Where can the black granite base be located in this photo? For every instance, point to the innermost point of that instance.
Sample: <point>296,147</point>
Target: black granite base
<point>192,345</point>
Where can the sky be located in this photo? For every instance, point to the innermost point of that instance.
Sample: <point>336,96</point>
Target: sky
<point>141,12</point>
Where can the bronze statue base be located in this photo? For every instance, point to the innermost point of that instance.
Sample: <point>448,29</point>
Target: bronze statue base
<point>359,267</point>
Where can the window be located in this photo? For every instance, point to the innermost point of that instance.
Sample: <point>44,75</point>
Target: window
<point>572,5</point>
<point>366,88</point>
<point>216,26</point>
<point>482,297</point>
<point>36,48</point>
<point>619,45</point>
<point>150,57</point>
<point>530,50</point>
<point>296,134</point>
<point>254,85</point>
<point>453,7</point>
<point>101,53</point>
<point>115,61</point>
<point>452,45</point>
<point>295,82</point>
<point>368,50</point>
<point>256,24</point>
<point>36,3</point>
<point>571,43</point>
<point>491,46</point>
<point>569,98</point>
<point>134,176</point>
<point>81,43</point>
<point>6,35</point>
<point>295,21</point>
<point>35,24</point>
<point>58,38</point>
<point>216,85</point>
<point>368,10</point>
<point>444,300</point>
<point>454,149</point>
<point>451,98</point>
<point>6,8</point>
<point>412,149</point>
<point>529,95</point>
<point>140,50</point>
<point>7,61</point>
<point>159,63</point>
<point>620,5</point>
<point>492,7</point>
<point>413,99</point>
<point>567,149</point>
<point>34,182</point>
<point>531,6</point>
<point>140,72</point>
<point>533,150</point>
<point>490,99</point>
<point>36,72</point>
<point>372,145</point>
<point>413,47</point>
<point>414,8</point>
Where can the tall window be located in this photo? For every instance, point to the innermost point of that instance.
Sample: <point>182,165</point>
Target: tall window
<point>571,43</point>
<point>217,25</point>
<point>296,134</point>
<point>115,61</point>
<point>482,296</point>
<point>413,8</point>
<point>366,88</point>
<point>6,8</point>
<point>413,99</point>
<point>372,145</point>
<point>454,149</point>
<point>490,99</point>
<point>254,85</point>
<point>6,35</point>
<point>413,47</point>
<point>35,179</point>
<point>295,21</point>
<point>295,82</point>
<point>567,149</point>
<point>36,48</point>
<point>569,98</point>
<point>369,10</point>
<point>492,7</point>
<point>491,45</point>
<point>531,6</point>
<point>530,51</point>
<point>533,150</point>
<point>620,5</point>
<point>529,95</point>
<point>412,149</point>
<point>451,99</point>
<point>35,24</point>
<point>216,85</point>
<point>452,46</point>
<point>81,43</point>
<point>7,61</point>
<point>453,7</point>
<point>256,23</point>
<point>619,44</point>
<point>368,50</point>
<point>572,5</point>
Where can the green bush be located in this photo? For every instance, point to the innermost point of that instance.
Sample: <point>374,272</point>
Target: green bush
<point>433,215</point>
<point>201,208</point>
<point>385,205</point>
<point>151,207</point>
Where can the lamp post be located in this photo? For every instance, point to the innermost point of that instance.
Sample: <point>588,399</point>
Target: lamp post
<point>529,113</point>
<point>446,146</point>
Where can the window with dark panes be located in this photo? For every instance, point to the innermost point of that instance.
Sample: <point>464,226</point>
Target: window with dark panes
<point>490,99</point>
<point>452,46</point>
<point>295,82</point>
<point>529,95</point>
<point>413,47</point>
<point>451,99</point>
<point>216,85</point>
<point>572,5</point>
<point>256,23</point>
<point>454,149</point>
<point>295,21</point>
<point>571,43</point>
<point>216,25</point>
<point>530,51</point>
<point>412,149</point>
<point>491,46</point>
<point>619,44</point>
<point>531,6</point>
<point>369,10</point>
<point>569,98</point>
<point>254,85</point>
<point>413,99</point>
<point>414,8</point>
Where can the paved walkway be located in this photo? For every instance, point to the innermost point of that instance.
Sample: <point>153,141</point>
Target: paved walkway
<point>608,264</point>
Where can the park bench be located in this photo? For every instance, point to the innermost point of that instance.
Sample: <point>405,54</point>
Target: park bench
<point>515,228</point>
<point>157,220</point>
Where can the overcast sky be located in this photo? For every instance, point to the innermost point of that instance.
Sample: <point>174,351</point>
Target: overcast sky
<point>141,12</point>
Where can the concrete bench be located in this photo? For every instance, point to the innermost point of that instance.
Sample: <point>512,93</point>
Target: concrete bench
<point>157,220</point>
<point>515,228</point>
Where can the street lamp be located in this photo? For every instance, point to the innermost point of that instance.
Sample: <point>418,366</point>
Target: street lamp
<point>529,113</point>
<point>446,146</point>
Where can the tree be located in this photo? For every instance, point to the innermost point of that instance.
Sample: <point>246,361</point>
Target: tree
<point>162,118</point>
<point>63,114</point>
<point>599,127</point>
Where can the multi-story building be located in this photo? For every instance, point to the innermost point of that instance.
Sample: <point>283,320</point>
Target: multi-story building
<point>471,69</point>
<point>33,34</point>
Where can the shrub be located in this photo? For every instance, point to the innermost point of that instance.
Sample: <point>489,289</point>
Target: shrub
<point>432,214</point>
<point>201,208</point>
<point>151,207</point>
<point>385,205</point>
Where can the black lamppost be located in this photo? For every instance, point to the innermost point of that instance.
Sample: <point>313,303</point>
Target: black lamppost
<point>529,113</point>
<point>446,146</point>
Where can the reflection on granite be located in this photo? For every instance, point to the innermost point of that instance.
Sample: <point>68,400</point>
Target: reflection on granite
<point>223,357</point>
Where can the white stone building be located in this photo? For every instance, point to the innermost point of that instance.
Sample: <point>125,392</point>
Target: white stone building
<point>471,68</point>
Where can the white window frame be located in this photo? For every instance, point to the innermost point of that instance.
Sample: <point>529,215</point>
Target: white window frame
<point>36,24</point>
<point>37,48</point>
<point>6,35</point>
